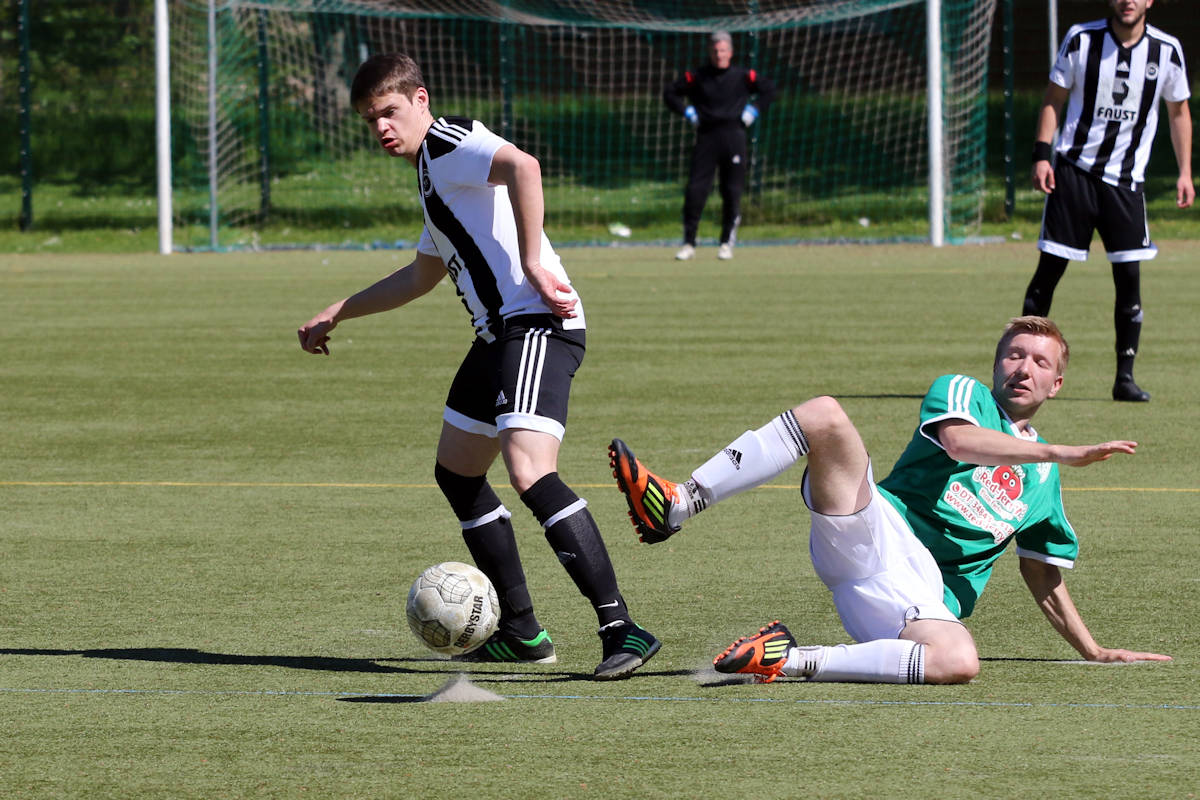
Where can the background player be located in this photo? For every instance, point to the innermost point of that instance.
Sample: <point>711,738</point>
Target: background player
<point>715,99</point>
<point>1113,72</point>
<point>907,559</point>
<point>483,206</point>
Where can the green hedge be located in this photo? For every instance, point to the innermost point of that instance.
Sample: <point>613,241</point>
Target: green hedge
<point>115,150</point>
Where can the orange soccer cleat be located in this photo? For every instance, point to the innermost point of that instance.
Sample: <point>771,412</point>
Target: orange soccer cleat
<point>762,654</point>
<point>649,496</point>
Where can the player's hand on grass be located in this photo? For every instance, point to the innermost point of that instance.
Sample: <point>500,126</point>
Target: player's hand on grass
<point>1043,177</point>
<point>1082,455</point>
<point>556,293</point>
<point>314,334</point>
<point>1116,656</point>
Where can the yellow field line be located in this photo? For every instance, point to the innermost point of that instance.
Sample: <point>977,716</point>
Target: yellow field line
<point>316,485</point>
<point>224,484</point>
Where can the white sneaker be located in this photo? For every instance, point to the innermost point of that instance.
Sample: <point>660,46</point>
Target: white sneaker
<point>685,253</point>
<point>725,251</point>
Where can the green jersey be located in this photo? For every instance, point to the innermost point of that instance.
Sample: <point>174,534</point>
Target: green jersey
<point>966,514</point>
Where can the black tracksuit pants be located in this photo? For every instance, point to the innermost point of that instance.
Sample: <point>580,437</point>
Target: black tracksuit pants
<point>720,149</point>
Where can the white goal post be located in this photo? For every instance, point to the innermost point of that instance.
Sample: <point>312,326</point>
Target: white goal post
<point>162,123</point>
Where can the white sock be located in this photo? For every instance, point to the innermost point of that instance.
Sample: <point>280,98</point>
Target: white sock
<point>751,460</point>
<point>688,502</point>
<point>880,661</point>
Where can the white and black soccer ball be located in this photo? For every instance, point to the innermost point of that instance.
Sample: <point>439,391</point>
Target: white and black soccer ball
<point>452,608</point>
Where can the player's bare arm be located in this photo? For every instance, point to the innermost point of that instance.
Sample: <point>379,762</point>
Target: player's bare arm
<point>1047,124</point>
<point>966,442</point>
<point>1046,583</point>
<point>522,175</point>
<point>1179,118</point>
<point>402,286</point>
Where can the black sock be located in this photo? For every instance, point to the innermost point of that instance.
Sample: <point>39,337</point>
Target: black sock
<point>576,540</point>
<point>1040,292</point>
<point>1127,315</point>
<point>493,546</point>
<point>489,537</point>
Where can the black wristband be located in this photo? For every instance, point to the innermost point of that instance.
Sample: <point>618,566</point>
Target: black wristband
<point>1041,151</point>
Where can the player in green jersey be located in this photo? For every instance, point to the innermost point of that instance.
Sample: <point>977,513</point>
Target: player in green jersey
<point>907,559</point>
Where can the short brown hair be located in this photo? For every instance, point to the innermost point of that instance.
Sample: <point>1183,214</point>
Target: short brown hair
<point>383,74</point>
<point>1039,326</point>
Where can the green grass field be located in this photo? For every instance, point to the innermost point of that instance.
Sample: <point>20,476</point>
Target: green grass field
<point>208,536</point>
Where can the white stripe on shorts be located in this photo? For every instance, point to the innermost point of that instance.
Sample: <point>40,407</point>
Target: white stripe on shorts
<point>529,375</point>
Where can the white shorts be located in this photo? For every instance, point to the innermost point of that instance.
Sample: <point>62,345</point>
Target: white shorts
<point>880,574</point>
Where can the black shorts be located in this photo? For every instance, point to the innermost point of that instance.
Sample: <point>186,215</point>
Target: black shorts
<point>521,380</point>
<point>1082,203</point>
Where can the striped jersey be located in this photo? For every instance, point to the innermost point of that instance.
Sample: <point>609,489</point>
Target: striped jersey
<point>966,514</point>
<point>1112,113</point>
<point>469,225</point>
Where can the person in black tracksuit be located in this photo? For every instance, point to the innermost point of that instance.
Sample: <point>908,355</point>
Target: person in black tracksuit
<point>715,98</point>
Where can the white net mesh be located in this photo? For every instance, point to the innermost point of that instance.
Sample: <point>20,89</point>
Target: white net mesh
<point>841,153</point>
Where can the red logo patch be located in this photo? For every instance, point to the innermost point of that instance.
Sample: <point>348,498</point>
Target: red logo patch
<point>1008,481</point>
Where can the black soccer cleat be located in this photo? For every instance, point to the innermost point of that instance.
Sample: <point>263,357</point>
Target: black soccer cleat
<point>504,647</point>
<point>626,647</point>
<point>1125,390</point>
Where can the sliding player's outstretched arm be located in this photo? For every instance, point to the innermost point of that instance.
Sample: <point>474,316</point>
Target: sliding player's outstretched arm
<point>971,444</point>
<point>1050,592</point>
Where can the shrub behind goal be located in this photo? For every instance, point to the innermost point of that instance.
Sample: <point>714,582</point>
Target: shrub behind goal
<point>267,152</point>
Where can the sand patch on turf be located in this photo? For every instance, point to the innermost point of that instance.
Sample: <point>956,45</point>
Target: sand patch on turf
<point>460,690</point>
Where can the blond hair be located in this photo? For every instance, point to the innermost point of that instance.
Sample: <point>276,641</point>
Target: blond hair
<point>1038,326</point>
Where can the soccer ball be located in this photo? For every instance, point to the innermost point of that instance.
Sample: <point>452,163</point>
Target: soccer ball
<point>452,608</point>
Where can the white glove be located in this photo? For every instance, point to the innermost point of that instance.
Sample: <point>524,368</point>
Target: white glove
<point>691,116</point>
<point>749,114</point>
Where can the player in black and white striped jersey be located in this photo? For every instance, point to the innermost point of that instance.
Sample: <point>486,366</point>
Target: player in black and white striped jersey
<point>483,208</point>
<point>1110,74</point>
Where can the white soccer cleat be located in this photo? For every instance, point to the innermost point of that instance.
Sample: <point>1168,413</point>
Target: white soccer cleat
<point>685,253</point>
<point>725,251</point>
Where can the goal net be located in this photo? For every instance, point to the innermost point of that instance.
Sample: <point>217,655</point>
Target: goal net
<point>266,151</point>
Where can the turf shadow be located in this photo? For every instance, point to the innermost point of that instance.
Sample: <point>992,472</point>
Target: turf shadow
<point>508,679</point>
<point>385,698</point>
<point>563,677</point>
<point>187,655</point>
